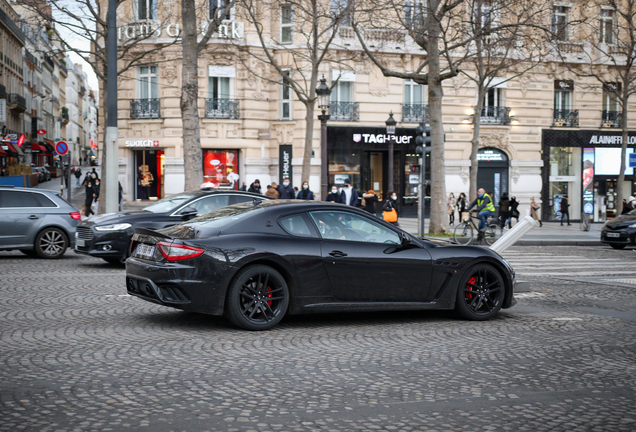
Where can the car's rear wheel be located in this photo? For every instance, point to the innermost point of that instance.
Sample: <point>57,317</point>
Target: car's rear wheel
<point>257,298</point>
<point>51,243</point>
<point>480,293</point>
<point>617,246</point>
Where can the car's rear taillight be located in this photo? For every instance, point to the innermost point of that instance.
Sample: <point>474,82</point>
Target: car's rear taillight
<point>178,252</point>
<point>75,215</point>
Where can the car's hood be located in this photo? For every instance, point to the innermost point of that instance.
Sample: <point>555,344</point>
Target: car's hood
<point>440,241</point>
<point>621,221</point>
<point>113,218</point>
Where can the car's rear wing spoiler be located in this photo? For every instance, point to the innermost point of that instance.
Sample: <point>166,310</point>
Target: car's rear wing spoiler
<point>145,235</point>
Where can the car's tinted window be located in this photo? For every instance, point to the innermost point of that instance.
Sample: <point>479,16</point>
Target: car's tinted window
<point>18,199</point>
<point>237,199</point>
<point>168,204</point>
<point>208,204</point>
<point>44,200</point>
<point>210,223</point>
<point>295,225</point>
<point>343,225</point>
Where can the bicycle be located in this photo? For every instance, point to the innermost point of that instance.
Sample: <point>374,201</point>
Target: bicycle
<point>464,232</point>
<point>585,222</point>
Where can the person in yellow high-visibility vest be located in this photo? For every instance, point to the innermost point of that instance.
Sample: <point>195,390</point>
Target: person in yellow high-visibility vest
<point>485,207</point>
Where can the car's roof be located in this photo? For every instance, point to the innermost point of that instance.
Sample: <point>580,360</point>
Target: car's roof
<point>220,191</point>
<point>25,189</point>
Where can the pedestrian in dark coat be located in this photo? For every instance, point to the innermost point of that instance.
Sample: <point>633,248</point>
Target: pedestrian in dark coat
<point>565,211</point>
<point>88,190</point>
<point>305,193</point>
<point>369,200</point>
<point>391,204</point>
<point>334,196</point>
<point>514,211</point>
<point>504,209</point>
<point>349,195</point>
<point>255,187</point>
<point>286,191</point>
<point>244,187</point>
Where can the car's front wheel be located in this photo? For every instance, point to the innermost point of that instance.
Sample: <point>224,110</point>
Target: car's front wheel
<point>257,298</point>
<point>617,246</point>
<point>480,293</point>
<point>51,243</point>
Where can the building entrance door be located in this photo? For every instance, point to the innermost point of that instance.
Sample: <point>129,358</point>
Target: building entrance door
<point>492,174</point>
<point>375,176</point>
<point>149,177</point>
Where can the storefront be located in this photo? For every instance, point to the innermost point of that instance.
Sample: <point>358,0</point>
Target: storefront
<point>359,155</point>
<point>148,165</point>
<point>584,165</point>
<point>492,172</point>
<point>221,168</point>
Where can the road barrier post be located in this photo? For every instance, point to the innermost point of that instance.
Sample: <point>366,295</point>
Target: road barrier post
<point>514,234</point>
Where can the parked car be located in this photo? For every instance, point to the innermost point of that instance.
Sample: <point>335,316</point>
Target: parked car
<point>257,262</point>
<point>108,236</point>
<point>37,222</point>
<point>620,231</point>
<point>40,173</point>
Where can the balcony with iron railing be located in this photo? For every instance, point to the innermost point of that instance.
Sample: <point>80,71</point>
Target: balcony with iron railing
<point>63,67</point>
<point>65,118</point>
<point>495,115</point>
<point>565,118</point>
<point>17,102</point>
<point>611,119</point>
<point>222,109</point>
<point>144,109</point>
<point>414,113</point>
<point>344,111</point>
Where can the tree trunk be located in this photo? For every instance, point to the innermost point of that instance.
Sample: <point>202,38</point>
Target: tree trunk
<point>309,138</point>
<point>192,154</point>
<point>101,206</point>
<point>474,165</point>
<point>621,175</point>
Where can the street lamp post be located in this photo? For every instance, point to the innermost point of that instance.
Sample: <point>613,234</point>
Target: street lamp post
<point>324,98</point>
<point>390,130</point>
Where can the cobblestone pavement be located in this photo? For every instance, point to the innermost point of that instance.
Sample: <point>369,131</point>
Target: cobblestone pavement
<point>78,354</point>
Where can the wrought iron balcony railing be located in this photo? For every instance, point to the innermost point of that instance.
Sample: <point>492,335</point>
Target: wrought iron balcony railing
<point>495,115</point>
<point>414,113</point>
<point>222,109</point>
<point>65,118</point>
<point>565,118</point>
<point>144,109</point>
<point>612,119</point>
<point>344,111</point>
<point>17,102</point>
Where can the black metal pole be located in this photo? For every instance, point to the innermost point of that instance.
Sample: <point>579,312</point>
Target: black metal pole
<point>390,176</point>
<point>69,185</point>
<point>324,157</point>
<point>110,166</point>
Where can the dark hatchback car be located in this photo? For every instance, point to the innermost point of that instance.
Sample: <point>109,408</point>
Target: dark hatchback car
<point>620,231</point>
<point>108,236</point>
<point>256,262</point>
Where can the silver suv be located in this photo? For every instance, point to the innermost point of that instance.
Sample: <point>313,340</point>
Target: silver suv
<point>37,222</point>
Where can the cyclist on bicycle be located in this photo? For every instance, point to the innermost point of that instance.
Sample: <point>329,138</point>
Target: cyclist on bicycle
<point>485,208</point>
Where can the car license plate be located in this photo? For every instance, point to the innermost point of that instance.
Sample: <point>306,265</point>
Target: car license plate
<point>80,242</point>
<point>613,234</point>
<point>145,251</point>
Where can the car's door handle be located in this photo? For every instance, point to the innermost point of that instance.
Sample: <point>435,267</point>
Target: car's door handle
<point>337,254</point>
<point>33,217</point>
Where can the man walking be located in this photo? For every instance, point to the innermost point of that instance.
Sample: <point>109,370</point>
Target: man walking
<point>485,208</point>
<point>565,209</point>
<point>286,191</point>
<point>255,187</point>
<point>349,195</point>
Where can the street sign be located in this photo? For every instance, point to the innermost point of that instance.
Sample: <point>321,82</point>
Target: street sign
<point>632,160</point>
<point>93,143</point>
<point>41,132</point>
<point>61,148</point>
<point>21,140</point>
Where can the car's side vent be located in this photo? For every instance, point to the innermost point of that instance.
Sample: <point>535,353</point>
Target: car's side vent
<point>446,264</point>
<point>172,294</point>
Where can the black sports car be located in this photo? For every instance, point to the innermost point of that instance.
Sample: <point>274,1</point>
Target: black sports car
<point>108,236</point>
<point>620,231</point>
<point>256,262</point>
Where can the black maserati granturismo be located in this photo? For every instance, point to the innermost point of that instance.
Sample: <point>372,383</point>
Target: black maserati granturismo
<point>256,262</point>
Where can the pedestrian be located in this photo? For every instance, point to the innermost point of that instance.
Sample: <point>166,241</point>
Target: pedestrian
<point>305,193</point>
<point>349,195</point>
<point>96,189</point>
<point>533,211</point>
<point>285,191</point>
<point>88,189</point>
<point>461,207</point>
<point>271,191</point>
<point>244,187</point>
<point>334,196</point>
<point>485,209</point>
<point>94,174</point>
<point>78,175</point>
<point>369,200</point>
<point>390,209</point>
<point>564,208</point>
<point>296,190</point>
<point>255,187</point>
<point>452,202</point>
<point>65,174</point>
<point>514,211</point>
<point>629,205</point>
<point>504,210</point>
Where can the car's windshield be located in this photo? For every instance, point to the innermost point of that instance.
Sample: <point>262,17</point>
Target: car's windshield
<point>211,223</point>
<point>168,204</point>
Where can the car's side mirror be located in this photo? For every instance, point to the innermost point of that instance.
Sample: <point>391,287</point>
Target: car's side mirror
<point>188,213</point>
<point>405,239</point>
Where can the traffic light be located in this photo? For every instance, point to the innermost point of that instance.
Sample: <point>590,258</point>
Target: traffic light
<point>423,138</point>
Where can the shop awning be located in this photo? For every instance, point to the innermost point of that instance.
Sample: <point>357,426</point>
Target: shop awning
<point>90,153</point>
<point>38,148</point>
<point>3,153</point>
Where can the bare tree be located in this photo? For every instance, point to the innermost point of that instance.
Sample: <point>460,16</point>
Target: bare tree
<point>299,54</point>
<point>607,30</point>
<point>192,48</point>
<point>437,27</point>
<point>85,21</point>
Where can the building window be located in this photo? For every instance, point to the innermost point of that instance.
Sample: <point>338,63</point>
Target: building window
<point>413,15</point>
<point>413,92</point>
<point>220,102</point>
<point>285,100</point>
<point>343,107</point>
<point>146,9</point>
<point>610,97</point>
<point>147,84</point>
<point>562,100</point>
<point>286,24</point>
<point>560,23</point>
<point>414,108</point>
<point>340,9</point>
<point>215,7</point>
<point>219,87</point>
<point>493,98</point>
<point>484,14</point>
<point>607,26</point>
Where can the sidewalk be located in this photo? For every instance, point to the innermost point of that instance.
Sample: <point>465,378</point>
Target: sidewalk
<point>551,234</point>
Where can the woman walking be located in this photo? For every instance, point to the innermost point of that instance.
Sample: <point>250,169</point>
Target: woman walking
<point>369,200</point>
<point>390,209</point>
<point>461,207</point>
<point>504,209</point>
<point>514,212</point>
<point>305,193</point>
<point>533,211</point>
<point>452,202</point>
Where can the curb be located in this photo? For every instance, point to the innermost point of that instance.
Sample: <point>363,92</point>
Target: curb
<point>559,243</point>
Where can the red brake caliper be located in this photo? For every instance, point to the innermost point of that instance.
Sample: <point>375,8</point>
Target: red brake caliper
<point>269,295</point>
<point>471,281</point>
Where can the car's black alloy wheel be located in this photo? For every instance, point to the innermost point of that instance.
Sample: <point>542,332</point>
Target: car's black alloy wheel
<point>257,298</point>
<point>480,293</point>
<point>51,243</point>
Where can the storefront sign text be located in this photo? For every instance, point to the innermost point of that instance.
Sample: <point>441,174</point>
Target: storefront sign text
<point>143,143</point>
<point>381,139</point>
<point>285,155</point>
<point>138,31</point>
<point>611,139</point>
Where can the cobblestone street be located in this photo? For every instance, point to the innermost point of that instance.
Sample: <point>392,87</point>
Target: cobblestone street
<point>79,354</point>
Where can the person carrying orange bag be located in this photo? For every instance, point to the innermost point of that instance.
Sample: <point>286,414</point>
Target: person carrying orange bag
<point>390,209</point>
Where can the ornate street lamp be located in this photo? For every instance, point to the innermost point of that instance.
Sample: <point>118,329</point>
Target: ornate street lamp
<point>390,130</point>
<point>324,99</point>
